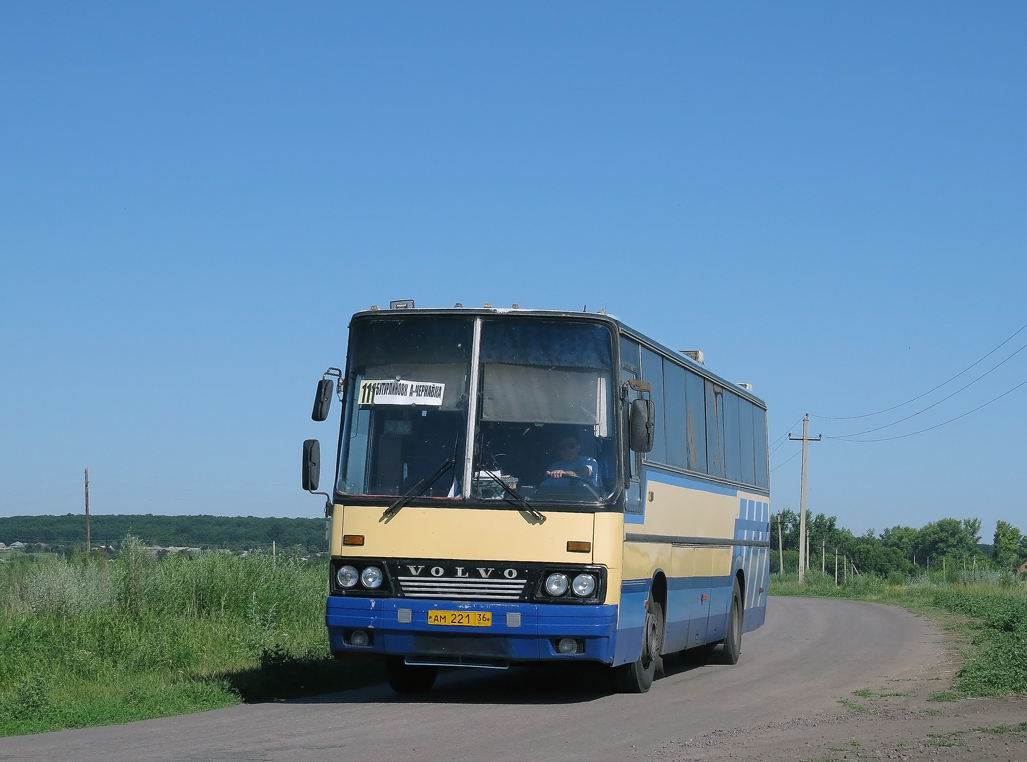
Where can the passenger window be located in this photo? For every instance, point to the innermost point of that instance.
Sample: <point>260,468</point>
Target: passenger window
<point>715,429</point>
<point>674,417</point>
<point>745,434</point>
<point>652,371</point>
<point>732,445</point>
<point>695,421</point>
<point>759,426</point>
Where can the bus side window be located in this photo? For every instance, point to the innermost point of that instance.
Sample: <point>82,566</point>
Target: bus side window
<point>745,434</point>
<point>715,428</point>
<point>652,371</point>
<point>695,421</point>
<point>759,425</point>
<point>674,414</point>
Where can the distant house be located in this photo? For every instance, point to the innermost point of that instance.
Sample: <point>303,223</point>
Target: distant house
<point>1022,569</point>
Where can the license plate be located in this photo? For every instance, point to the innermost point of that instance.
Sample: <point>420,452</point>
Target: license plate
<point>461,618</point>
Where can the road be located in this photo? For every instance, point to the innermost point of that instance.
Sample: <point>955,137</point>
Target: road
<point>809,655</point>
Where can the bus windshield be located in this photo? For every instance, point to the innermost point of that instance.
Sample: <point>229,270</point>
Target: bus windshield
<point>407,406</point>
<point>544,427</point>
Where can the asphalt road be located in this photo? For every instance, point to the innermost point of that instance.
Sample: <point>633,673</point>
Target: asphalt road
<point>808,655</point>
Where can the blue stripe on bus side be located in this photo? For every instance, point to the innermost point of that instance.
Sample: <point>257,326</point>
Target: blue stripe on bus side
<point>753,523</point>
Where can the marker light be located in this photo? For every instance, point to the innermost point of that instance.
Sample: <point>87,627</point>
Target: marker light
<point>556,584</point>
<point>371,577</point>
<point>346,576</point>
<point>584,585</point>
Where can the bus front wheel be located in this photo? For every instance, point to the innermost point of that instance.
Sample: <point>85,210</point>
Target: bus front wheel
<point>406,678</point>
<point>637,677</point>
<point>733,638</point>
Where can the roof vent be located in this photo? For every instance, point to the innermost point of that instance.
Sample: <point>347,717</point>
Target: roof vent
<point>693,354</point>
<point>747,387</point>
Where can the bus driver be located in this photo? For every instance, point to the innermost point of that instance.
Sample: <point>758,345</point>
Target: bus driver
<point>571,464</point>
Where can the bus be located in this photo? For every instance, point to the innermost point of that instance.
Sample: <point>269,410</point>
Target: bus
<point>519,486</point>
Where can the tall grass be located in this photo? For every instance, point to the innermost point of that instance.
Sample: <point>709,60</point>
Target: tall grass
<point>87,642</point>
<point>991,607</point>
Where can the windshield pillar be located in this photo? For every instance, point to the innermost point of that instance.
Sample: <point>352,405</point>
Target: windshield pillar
<point>472,410</point>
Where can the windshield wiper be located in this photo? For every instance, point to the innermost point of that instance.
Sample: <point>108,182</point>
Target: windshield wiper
<point>417,490</point>
<point>516,499</point>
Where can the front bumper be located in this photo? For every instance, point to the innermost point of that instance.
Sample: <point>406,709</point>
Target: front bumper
<point>520,632</point>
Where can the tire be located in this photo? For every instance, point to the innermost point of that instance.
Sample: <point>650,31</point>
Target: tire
<point>732,649</point>
<point>405,678</point>
<point>637,677</point>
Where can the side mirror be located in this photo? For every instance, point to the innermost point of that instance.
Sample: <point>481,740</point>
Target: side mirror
<point>323,399</point>
<point>311,464</point>
<point>642,425</point>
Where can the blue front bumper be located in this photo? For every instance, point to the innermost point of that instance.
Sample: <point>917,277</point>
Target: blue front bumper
<point>520,632</point>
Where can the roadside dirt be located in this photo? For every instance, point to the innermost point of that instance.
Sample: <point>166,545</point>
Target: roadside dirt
<point>901,718</point>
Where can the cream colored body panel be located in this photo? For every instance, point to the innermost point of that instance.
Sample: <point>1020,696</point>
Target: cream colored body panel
<point>485,535</point>
<point>684,512</point>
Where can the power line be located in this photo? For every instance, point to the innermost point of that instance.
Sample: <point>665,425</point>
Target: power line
<point>797,453</point>
<point>937,426</point>
<point>782,438</point>
<point>920,396</point>
<point>895,423</point>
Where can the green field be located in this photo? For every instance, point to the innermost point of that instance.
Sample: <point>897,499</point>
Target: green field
<point>97,642</point>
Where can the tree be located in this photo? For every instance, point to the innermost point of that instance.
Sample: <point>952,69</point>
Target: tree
<point>1009,546</point>
<point>903,539</point>
<point>949,538</point>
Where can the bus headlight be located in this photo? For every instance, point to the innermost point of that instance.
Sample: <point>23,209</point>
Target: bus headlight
<point>556,584</point>
<point>371,577</point>
<point>584,585</point>
<point>346,576</point>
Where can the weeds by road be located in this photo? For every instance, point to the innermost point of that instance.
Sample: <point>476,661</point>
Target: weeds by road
<point>91,642</point>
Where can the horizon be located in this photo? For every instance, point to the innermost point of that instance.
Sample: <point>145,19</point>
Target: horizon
<point>825,200</point>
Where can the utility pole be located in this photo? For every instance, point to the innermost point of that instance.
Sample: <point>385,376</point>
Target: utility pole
<point>803,559</point>
<point>89,542</point>
<point>781,548</point>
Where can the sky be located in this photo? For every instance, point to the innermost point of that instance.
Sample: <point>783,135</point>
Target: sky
<point>827,199</point>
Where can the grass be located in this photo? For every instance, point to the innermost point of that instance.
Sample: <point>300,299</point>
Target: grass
<point>92,642</point>
<point>989,608</point>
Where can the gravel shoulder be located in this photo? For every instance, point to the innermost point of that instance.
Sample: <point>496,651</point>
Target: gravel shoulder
<point>904,716</point>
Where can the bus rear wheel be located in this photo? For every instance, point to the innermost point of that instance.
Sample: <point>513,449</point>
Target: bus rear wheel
<point>732,649</point>
<point>407,678</point>
<point>637,677</point>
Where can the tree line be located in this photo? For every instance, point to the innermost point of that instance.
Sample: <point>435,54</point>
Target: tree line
<point>900,549</point>
<point>235,533</point>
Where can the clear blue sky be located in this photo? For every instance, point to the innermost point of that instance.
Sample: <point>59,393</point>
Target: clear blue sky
<point>828,199</point>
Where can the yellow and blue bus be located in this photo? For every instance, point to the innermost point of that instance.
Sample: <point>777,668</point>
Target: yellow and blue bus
<point>533,486</point>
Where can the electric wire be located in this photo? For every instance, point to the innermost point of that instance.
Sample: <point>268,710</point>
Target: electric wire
<point>950,396</point>
<point>781,439</point>
<point>797,452</point>
<point>920,396</point>
<point>936,426</point>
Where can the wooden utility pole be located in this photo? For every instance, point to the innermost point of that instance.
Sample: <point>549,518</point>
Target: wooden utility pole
<point>803,552</point>
<point>89,540</point>
<point>823,556</point>
<point>780,547</point>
